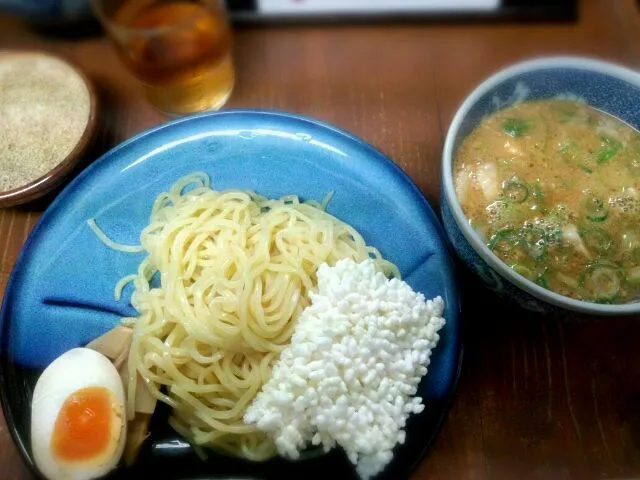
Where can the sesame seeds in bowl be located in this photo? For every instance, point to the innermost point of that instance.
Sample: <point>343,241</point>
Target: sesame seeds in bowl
<point>47,117</point>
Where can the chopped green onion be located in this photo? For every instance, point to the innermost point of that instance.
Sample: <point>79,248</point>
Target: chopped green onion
<point>585,169</point>
<point>596,238</point>
<point>515,127</point>
<point>608,148</point>
<point>536,191</point>
<point>505,214</point>
<point>522,270</point>
<point>596,210</point>
<point>601,282</point>
<point>515,191</point>
<point>538,197</point>
<point>503,241</point>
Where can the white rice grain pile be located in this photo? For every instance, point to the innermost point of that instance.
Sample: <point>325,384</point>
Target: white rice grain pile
<point>355,361</point>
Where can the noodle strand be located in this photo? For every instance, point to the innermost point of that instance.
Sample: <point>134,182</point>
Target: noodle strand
<point>235,271</point>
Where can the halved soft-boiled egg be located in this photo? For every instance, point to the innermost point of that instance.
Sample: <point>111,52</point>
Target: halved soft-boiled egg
<point>78,422</point>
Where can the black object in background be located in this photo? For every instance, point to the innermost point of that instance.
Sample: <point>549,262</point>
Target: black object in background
<point>508,10</point>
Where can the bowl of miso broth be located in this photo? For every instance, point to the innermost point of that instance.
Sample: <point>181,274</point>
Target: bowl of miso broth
<point>541,185</point>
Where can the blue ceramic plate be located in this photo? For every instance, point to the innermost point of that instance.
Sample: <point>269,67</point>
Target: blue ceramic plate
<point>60,294</point>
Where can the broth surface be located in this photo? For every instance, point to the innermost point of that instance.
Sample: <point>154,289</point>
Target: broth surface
<point>552,187</point>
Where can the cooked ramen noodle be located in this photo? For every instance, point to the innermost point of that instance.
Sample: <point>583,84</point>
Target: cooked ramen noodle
<point>235,270</point>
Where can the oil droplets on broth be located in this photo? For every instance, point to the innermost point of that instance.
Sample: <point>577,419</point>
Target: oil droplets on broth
<point>553,188</point>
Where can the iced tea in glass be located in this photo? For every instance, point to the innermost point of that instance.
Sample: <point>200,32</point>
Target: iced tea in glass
<point>179,49</point>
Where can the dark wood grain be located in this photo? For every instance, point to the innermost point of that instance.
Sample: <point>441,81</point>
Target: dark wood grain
<point>538,398</point>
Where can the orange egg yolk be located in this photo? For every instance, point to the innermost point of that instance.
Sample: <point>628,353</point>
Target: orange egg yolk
<point>87,426</point>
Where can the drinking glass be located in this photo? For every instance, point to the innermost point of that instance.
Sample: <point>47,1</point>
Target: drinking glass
<point>180,50</point>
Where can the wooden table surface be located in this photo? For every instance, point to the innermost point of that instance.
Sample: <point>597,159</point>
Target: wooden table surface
<point>538,398</point>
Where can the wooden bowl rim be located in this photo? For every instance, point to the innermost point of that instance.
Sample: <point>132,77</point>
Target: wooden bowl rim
<point>54,177</point>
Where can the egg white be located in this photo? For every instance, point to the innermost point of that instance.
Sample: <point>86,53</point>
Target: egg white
<point>74,370</point>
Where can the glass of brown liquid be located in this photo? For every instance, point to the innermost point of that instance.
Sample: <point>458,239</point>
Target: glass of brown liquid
<point>179,49</point>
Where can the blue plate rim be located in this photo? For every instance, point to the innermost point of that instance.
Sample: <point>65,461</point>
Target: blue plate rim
<point>448,399</point>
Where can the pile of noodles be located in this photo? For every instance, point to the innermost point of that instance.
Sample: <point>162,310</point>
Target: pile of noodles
<point>235,271</point>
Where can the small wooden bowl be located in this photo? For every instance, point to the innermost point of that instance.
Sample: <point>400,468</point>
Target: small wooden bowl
<point>52,179</point>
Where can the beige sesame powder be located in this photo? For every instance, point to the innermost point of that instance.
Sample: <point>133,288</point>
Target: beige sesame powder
<point>44,110</point>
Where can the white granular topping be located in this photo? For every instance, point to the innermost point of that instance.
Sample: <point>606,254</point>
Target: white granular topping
<point>44,110</point>
<point>353,367</point>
